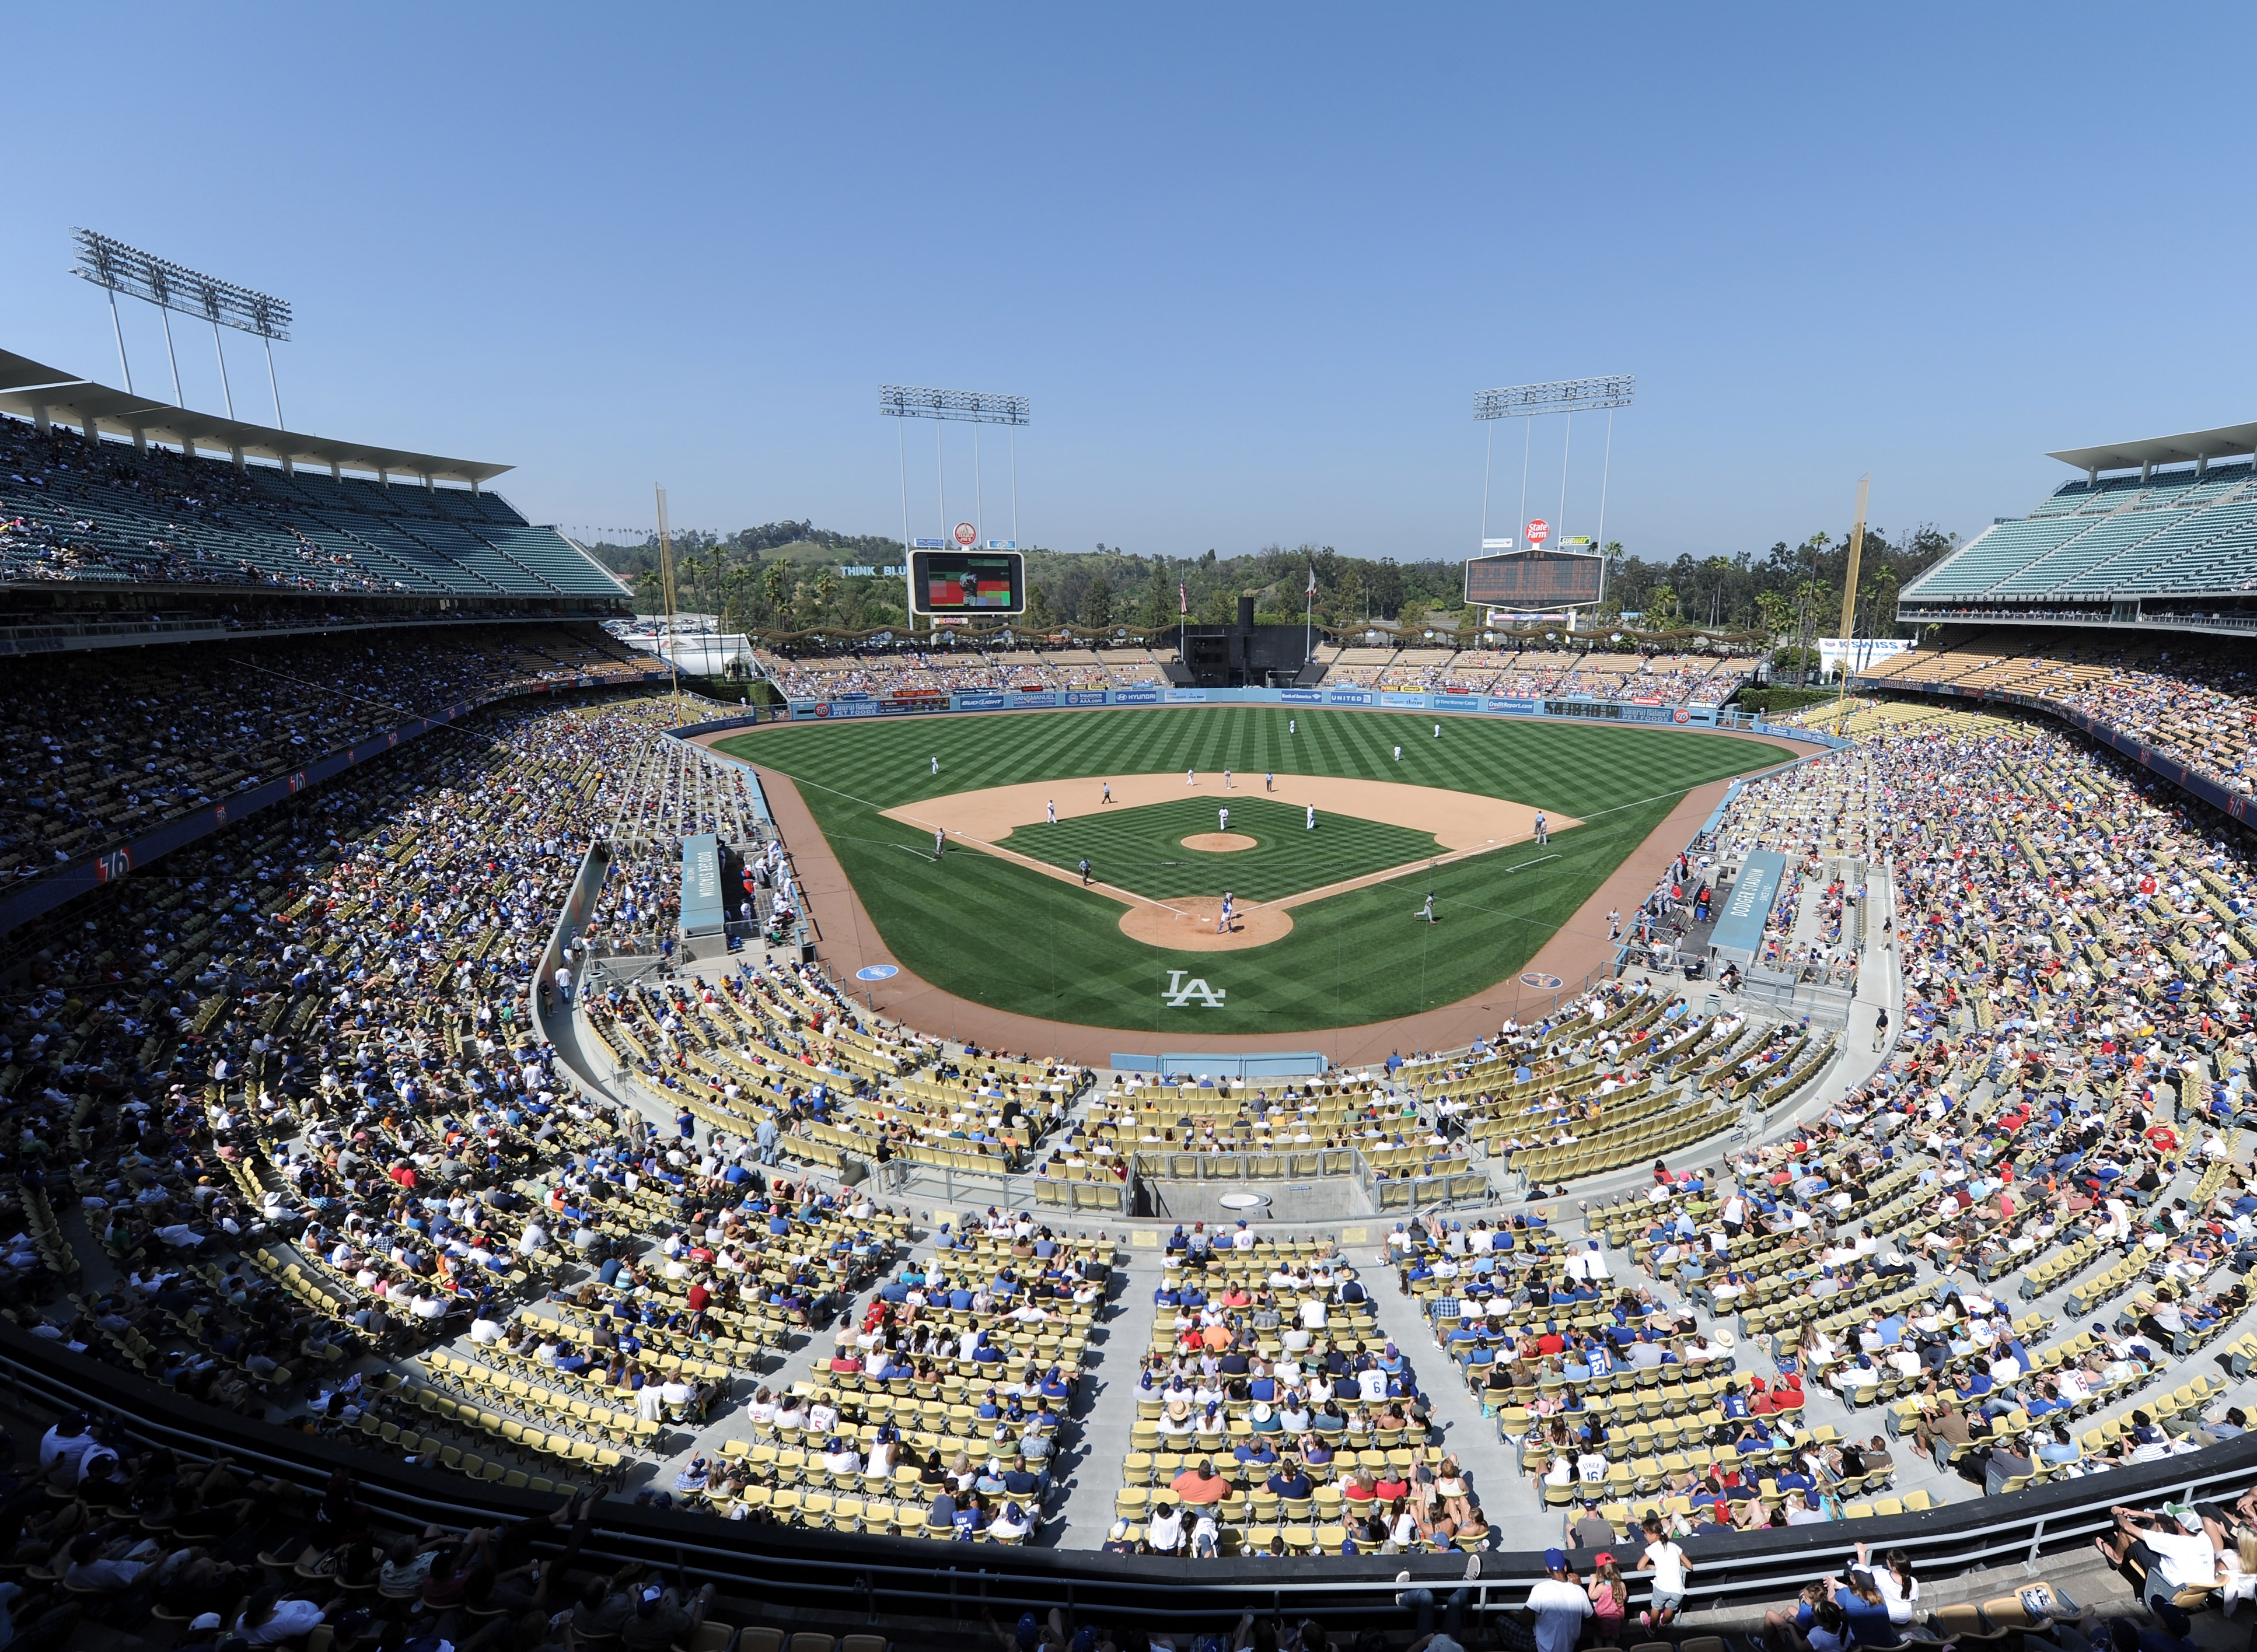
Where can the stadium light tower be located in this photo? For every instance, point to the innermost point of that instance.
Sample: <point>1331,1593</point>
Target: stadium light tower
<point>1568,396</point>
<point>974,407</point>
<point>115,267</point>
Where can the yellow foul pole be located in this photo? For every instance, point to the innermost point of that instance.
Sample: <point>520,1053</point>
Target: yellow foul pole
<point>1850,586</point>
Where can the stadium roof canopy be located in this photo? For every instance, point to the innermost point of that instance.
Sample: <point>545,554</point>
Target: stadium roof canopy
<point>31,390</point>
<point>2195,445</point>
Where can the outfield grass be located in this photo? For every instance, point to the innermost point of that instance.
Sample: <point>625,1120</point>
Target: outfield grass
<point>1006,936</point>
<point>1141,850</point>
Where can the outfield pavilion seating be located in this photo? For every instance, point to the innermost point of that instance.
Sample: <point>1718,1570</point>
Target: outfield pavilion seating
<point>111,513</point>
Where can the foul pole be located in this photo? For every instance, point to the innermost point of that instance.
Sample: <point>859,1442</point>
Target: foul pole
<point>1850,590</point>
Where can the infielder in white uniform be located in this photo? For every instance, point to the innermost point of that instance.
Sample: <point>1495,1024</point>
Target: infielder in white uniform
<point>1222,822</point>
<point>939,837</point>
<point>1312,817</point>
<point>1051,805</point>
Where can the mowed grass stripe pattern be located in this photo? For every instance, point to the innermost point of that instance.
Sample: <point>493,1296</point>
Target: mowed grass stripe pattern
<point>1141,850</point>
<point>1004,935</point>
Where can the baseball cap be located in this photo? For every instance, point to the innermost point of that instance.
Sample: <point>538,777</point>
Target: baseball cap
<point>209,1620</point>
<point>1554,1560</point>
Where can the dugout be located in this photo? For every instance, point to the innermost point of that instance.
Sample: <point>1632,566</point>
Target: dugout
<point>704,897</point>
<point>1738,936</point>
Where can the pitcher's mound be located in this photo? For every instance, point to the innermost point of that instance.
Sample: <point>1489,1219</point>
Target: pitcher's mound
<point>1219,844</point>
<point>1191,928</point>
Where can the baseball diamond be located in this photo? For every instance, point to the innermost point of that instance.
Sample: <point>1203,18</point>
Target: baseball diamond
<point>1001,917</point>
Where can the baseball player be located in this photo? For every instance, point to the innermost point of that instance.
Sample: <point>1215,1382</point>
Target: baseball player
<point>1222,820</point>
<point>1398,754</point>
<point>1427,911</point>
<point>1292,725</point>
<point>1050,805</point>
<point>1226,779</point>
<point>1312,817</point>
<point>1085,869</point>
<point>1223,927</point>
<point>1269,782</point>
<point>939,837</point>
<point>1438,730</point>
<point>936,765</point>
<point>1542,832</point>
<point>1191,777</point>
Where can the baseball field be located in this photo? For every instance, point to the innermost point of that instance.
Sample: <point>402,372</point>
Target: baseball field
<point>1084,856</point>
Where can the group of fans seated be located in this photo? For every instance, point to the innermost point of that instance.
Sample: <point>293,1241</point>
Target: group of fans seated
<point>104,749</point>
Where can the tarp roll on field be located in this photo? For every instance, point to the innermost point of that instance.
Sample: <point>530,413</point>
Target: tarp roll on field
<point>703,912</point>
<point>1739,929</point>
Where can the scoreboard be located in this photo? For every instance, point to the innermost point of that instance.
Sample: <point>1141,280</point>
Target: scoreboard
<point>1533,579</point>
<point>967,583</point>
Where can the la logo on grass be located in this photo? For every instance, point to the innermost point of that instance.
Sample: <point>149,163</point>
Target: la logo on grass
<point>1179,993</point>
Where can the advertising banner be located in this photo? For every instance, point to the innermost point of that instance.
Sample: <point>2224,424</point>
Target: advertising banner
<point>1041,700</point>
<point>1135,697</point>
<point>1085,696</point>
<point>1184,696</point>
<point>894,706</point>
<point>1414,702</point>
<point>1301,697</point>
<point>1347,696</point>
<point>1453,702</point>
<point>1523,708</point>
<point>979,702</point>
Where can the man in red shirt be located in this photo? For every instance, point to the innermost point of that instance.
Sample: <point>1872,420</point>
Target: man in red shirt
<point>1201,1485</point>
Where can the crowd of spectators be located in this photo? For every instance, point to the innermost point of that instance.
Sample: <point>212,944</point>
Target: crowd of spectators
<point>967,668</point>
<point>100,746</point>
<point>2192,701</point>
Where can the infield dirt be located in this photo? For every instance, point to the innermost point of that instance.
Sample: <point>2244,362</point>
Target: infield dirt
<point>1464,824</point>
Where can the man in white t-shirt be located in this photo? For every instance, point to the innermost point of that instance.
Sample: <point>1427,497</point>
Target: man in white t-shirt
<point>2185,1547</point>
<point>1560,1605</point>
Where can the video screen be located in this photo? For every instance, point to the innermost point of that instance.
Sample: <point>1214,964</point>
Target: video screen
<point>968,582</point>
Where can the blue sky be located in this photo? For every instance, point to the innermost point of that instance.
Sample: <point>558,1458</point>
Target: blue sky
<point>1250,264</point>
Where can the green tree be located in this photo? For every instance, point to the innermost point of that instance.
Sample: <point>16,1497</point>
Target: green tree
<point>1412,614</point>
<point>1159,607</point>
<point>1039,617</point>
<point>1778,611</point>
<point>775,586</point>
<point>1097,604</point>
<point>826,591</point>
